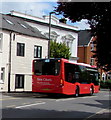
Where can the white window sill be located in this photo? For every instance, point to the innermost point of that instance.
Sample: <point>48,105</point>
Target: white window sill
<point>1,82</point>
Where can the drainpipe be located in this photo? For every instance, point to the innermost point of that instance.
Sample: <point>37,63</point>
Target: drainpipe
<point>9,69</point>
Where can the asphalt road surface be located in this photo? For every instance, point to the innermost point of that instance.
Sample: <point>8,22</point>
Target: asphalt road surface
<point>33,105</point>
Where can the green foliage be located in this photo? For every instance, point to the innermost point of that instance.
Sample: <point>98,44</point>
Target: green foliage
<point>105,84</point>
<point>98,15</point>
<point>59,50</point>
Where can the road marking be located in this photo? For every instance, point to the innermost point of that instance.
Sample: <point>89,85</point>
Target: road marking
<point>74,98</point>
<point>107,95</point>
<point>9,98</point>
<point>90,97</point>
<point>25,103</point>
<point>96,113</point>
<point>66,99</point>
<point>30,105</point>
<point>10,106</point>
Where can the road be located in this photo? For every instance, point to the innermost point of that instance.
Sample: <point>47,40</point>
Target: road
<point>31,105</point>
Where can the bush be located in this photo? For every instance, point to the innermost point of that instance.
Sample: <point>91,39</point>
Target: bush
<point>59,50</point>
<point>105,84</point>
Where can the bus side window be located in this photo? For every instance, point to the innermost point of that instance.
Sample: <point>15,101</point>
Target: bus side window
<point>72,73</point>
<point>69,72</point>
<point>77,75</point>
<point>70,77</point>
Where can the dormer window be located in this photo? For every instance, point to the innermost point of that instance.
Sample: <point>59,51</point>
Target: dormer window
<point>10,22</point>
<point>23,25</point>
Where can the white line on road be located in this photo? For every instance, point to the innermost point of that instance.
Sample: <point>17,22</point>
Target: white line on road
<point>10,106</point>
<point>107,95</point>
<point>9,98</point>
<point>89,97</point>
<point>30,105</point>
<point>65,99</point>
<point>74,98</point>
<point>99,112</point>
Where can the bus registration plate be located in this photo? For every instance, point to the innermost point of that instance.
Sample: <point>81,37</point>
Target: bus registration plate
<point>46,89</point>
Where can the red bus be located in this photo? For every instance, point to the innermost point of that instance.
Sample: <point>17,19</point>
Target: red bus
<point>64,77</point>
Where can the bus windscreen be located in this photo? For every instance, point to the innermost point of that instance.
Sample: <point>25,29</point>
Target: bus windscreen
<point>47,67</point>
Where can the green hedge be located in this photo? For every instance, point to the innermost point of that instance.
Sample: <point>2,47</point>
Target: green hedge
<point>105,84</point>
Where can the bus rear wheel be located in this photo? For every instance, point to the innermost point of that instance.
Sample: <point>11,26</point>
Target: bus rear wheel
<point>77,91</point>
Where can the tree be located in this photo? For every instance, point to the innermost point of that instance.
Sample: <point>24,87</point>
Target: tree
<point>63,20</point>
<point>59,50</point>
<point>98,15</point>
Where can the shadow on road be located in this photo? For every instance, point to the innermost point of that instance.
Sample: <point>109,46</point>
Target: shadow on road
<point>101,104</point>
<point>41,95</point>
<point>42,113</point>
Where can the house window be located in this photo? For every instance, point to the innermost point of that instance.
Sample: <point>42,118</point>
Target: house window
<point>2,76</point>
<point>68,40</point>
<point>92,46</point>
<point>1,40</point>
<point>92,61</point>
<point>20,49</point>
<point>37,51</point>
<point>19,81</point>
<point>53,35</point>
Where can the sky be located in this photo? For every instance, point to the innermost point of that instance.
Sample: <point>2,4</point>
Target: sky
<point>36,8</point>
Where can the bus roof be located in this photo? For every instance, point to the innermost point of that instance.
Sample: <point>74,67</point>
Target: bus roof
<point>83,64</point>
<point>69,61</point>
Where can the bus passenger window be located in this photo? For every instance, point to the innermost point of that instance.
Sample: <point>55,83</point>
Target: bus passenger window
<point>76,75</point>
<point>69,77</point>
<point>72,73</point>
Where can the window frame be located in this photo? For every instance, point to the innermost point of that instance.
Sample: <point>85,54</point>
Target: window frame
<point>2,74</point>
<point>19,81</point>
<point>1,41</point>
<point>92,60</point>
<point>37,52</point>
<point>20,49</point>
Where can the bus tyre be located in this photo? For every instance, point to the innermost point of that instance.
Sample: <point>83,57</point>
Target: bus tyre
<point>91,91</point>
<point>77,91</point>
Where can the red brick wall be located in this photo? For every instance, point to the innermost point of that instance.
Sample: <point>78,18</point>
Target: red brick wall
<point>84,54</point>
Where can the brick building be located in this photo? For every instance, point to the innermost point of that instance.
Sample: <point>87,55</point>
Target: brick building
<point>86,47</point>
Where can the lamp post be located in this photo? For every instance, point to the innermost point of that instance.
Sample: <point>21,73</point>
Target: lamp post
<point>49,33</point>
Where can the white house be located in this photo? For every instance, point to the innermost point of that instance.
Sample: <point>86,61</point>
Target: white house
<point>19,45</point>
<point>60,32</point>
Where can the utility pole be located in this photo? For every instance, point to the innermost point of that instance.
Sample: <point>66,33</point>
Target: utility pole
<point>49,33</point>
